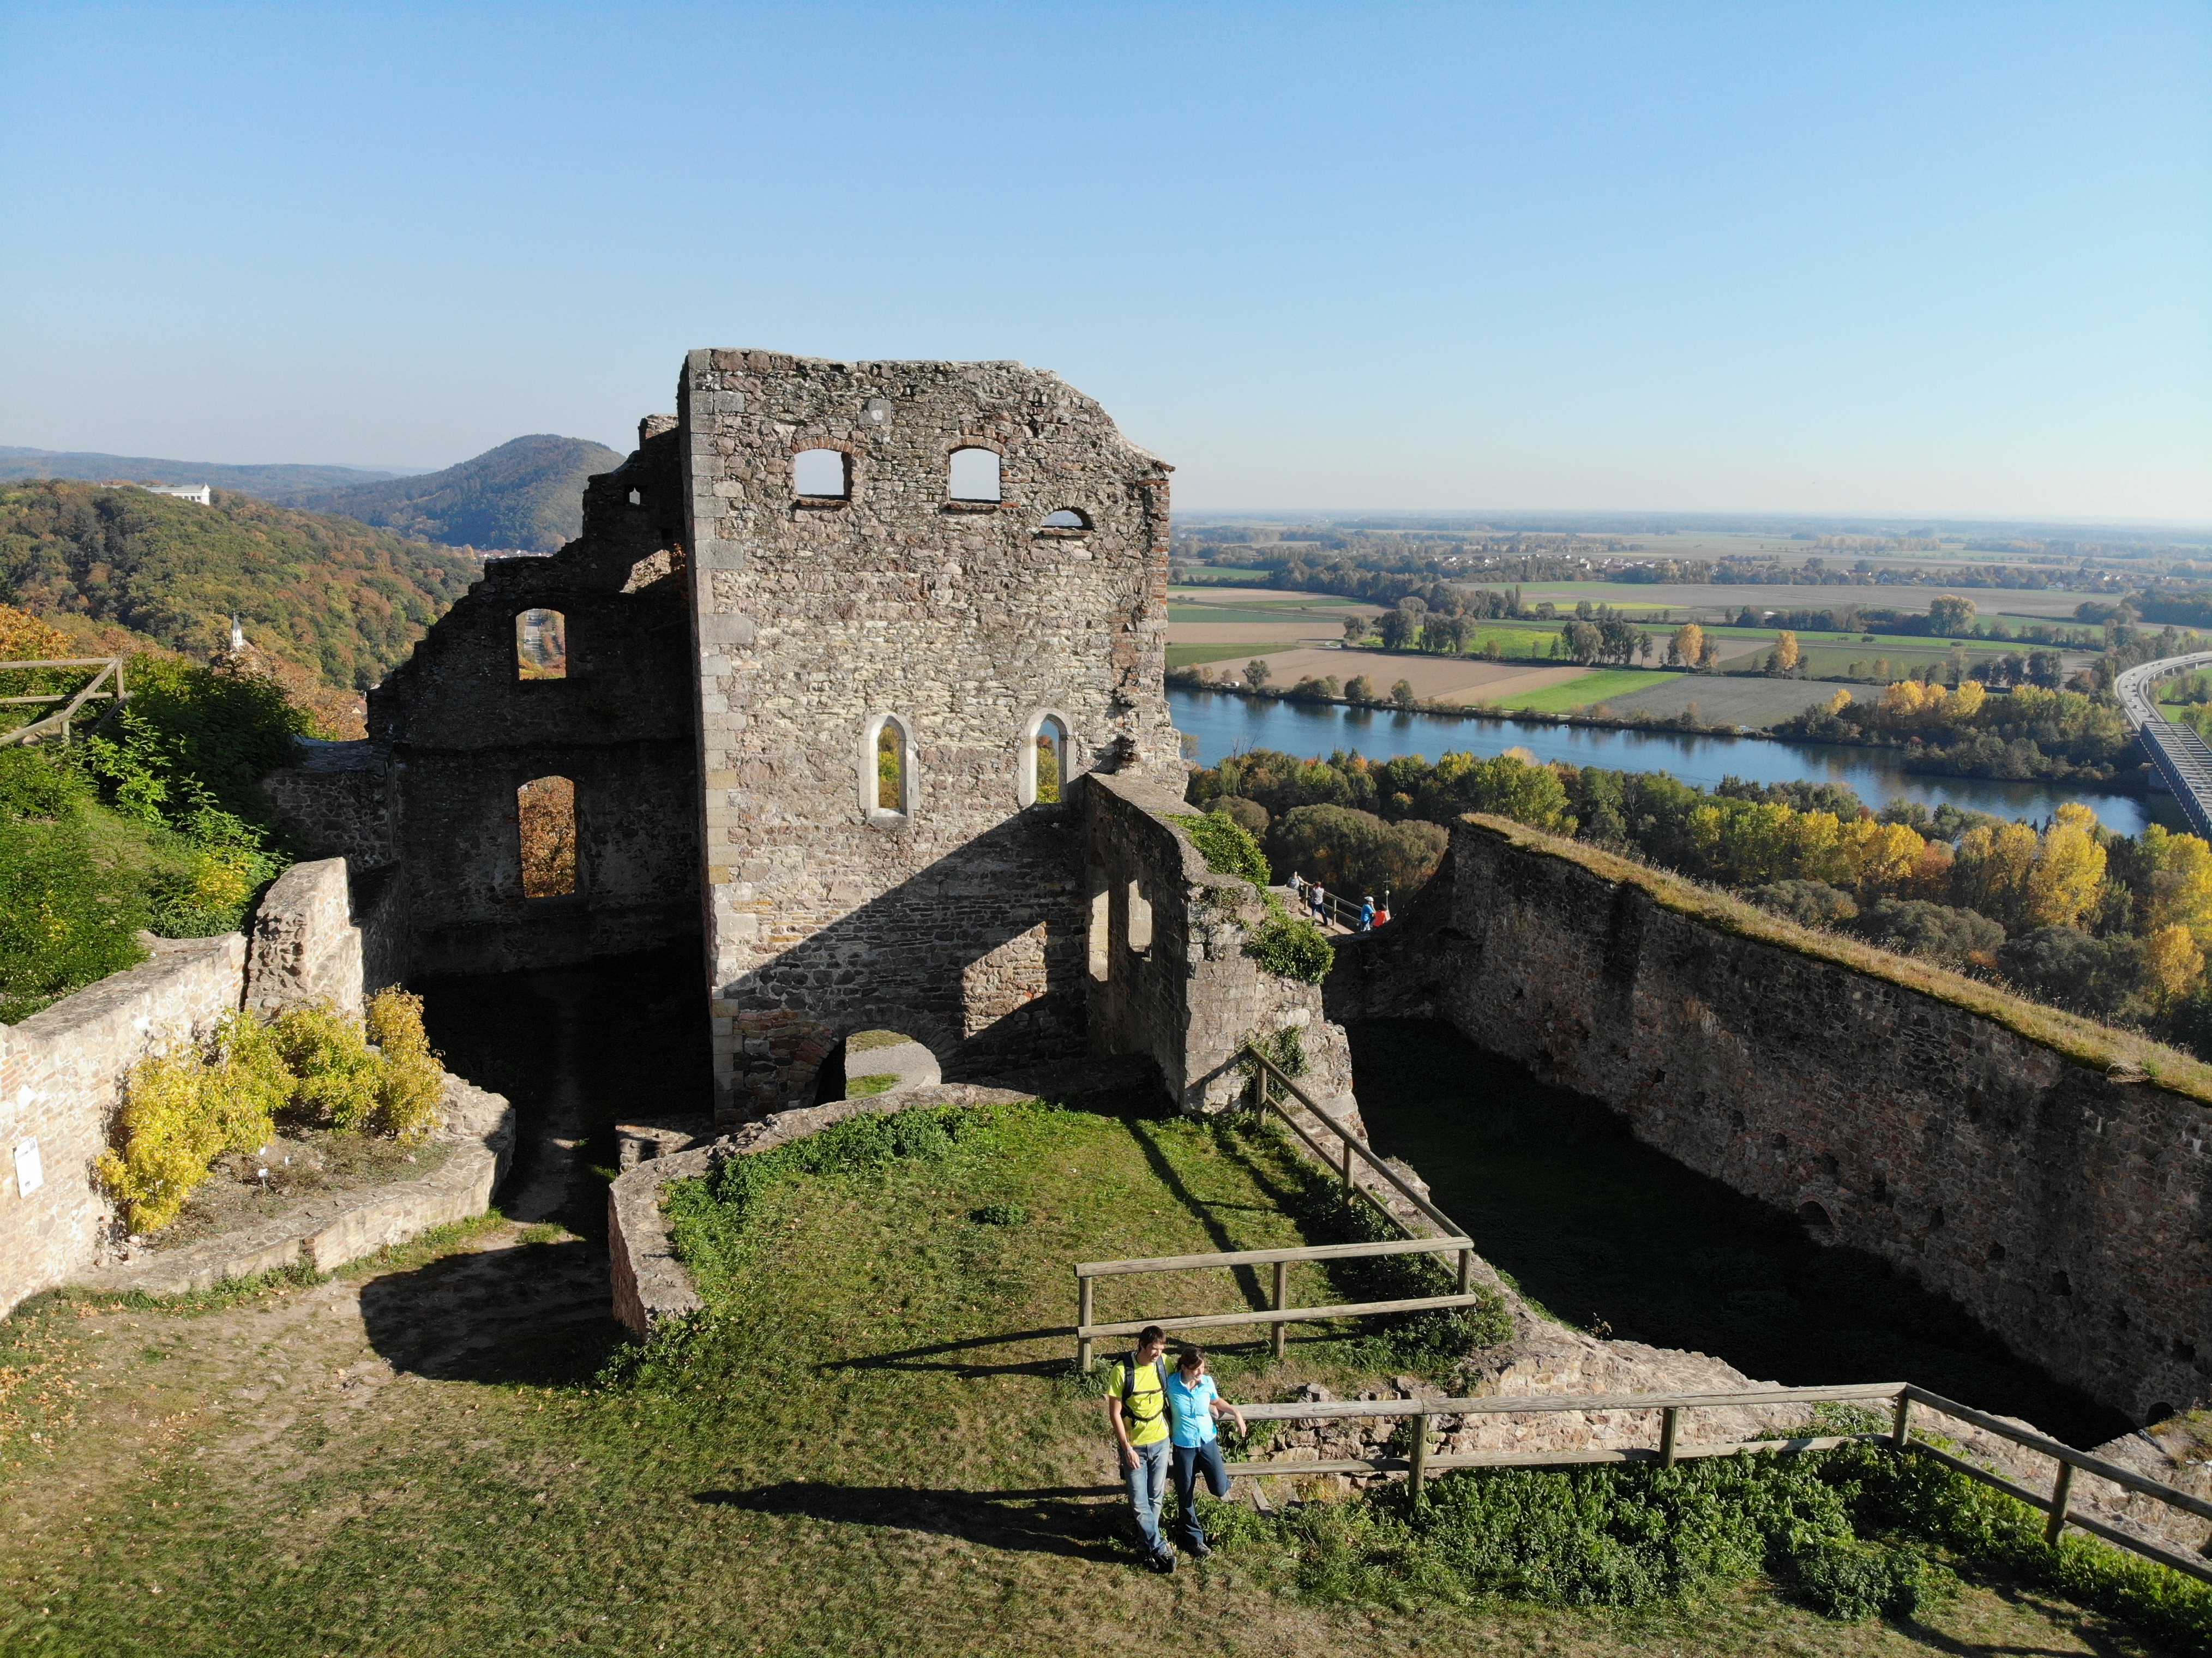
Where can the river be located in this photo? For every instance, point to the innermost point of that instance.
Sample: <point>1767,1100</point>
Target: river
<point>1221,724</point>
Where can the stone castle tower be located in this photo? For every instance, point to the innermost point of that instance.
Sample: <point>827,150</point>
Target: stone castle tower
<point>821,684</point>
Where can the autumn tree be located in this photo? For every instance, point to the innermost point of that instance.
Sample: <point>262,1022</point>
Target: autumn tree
<point>2069,869</point>
<point>1688,648</point>
<point>1950,614</point>
<point>1256,673</point>
<point>1402,693</point>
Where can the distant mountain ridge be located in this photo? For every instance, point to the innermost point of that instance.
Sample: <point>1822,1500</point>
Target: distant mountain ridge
<point>272,483</point>
<point>526,493</point>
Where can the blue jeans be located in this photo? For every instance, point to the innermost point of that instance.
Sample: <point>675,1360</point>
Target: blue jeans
<point>1189,1462</point>
<point>1148,1486</point>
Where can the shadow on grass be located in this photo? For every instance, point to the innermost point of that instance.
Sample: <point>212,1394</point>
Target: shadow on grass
<point>923,1358</point>
<point>1050,1520</point>
<point>533,1314</point>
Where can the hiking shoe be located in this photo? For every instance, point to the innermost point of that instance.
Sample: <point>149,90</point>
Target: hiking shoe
<point>1198,1549</point>
<point>1164,1562</point>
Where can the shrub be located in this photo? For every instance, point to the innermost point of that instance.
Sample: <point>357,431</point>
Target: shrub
<point>185,1107</point>
<point>1808,903</point>
<point>1249,815</point>
<point>1292,947</point>
<point>1227,847</point>
<point>1912,926</point>
<point>1849,1581</point>
<point>334,1075</point>
<point>71,916</point>
<point>1001,1214</point>
<point>412,1081</point>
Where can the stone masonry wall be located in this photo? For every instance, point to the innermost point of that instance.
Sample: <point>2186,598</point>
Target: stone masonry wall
<point>1188,999</point>
<point>957,919</point>
<point>464,731</point>
<point>63,1070</point>
<point>61,1079</point>
<point>2068,1210</point>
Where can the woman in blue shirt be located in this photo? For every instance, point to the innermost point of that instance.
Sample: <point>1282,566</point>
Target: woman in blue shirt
<point>1192,1404</point>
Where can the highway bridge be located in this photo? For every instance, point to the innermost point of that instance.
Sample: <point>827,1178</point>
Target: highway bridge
<point>2181,756</point>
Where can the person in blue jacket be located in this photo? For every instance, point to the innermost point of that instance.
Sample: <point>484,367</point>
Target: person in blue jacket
<point>1194,1403</point>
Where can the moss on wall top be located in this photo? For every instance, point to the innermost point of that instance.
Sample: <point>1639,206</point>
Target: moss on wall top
<point>2123,1055</point>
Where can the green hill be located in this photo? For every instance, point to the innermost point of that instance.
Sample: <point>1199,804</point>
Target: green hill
<point>528,493</point>
<point>274,482</point>
<point>343,600</point>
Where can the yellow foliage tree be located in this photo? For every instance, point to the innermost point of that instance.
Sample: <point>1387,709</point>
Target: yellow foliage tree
<point>1784,655</point>
<point>2069,871</point>
<point>411,1081</point>
<point>1966,702</point>
<point>1879,859</point>
<point>1688,648</point>
<point>1991,873</point>
<point>2173,964</point>
<point>2180,886</point>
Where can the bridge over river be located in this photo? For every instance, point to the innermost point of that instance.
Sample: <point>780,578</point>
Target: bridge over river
<point>2179,754</point>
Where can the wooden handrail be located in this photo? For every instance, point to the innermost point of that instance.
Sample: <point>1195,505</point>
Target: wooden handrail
<point>1263,1257</point>
<point>1905,1394</point>
<point>1353,1143</point>
<point>111,672</point>
<point>1278,1315</point>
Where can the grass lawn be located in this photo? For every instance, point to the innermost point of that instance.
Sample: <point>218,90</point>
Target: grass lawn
<point>1598,685</point>
<point>871,1445</point>
<point>1190,656</point>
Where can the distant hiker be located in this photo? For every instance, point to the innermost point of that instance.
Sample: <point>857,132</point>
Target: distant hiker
<point>1320,902</point>
<point>1383,912</point>
<point>1139,1412</point>
<point>1194,1404</point>
<point>1298,886</point>
<point>1367,914</point>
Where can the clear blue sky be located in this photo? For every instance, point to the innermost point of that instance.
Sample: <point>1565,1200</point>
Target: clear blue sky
<point>1920,258</point>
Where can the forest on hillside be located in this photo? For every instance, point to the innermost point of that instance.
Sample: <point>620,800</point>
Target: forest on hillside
<point>527,494</point>
<point>334,597</point>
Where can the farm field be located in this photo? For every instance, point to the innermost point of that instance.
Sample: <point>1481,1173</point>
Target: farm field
<point>1709,599</point>
<point>1192,655</point>
<point>1587,686</point>
<point>1445,678</point>
<point>1724,700</point>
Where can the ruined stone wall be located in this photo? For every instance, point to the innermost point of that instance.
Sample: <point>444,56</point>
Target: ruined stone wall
<point>464,731</point>
<point>2067,1209</point>
<point>62,1069</point>
<point>958,919</point>
<point>1187,997</point>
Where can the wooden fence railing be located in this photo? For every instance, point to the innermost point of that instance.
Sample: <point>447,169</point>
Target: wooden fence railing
<point>1347,1158</point>
<point>108,684</point>
<point>1272,1086</point>
<point>1282,1314</point>
<point>1900,1396</point>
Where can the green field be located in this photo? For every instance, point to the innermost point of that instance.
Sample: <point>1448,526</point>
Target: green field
<point>1190,656</point>
<point>1598,685</point>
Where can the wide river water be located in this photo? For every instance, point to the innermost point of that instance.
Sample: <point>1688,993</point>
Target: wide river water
<point>1221,724</point>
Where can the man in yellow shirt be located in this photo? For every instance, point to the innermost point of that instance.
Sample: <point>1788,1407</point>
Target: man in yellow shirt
<point>1138,1412</point>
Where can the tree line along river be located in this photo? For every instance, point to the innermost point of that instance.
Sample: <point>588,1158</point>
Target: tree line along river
<point>1219,724</point>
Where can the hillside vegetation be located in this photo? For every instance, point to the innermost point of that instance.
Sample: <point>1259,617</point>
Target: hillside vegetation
<point>528,493</point>
<point>272,483</point>
<point>149,821</point>
<point>331,595</point>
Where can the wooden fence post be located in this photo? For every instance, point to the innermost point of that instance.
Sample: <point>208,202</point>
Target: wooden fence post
<point>1419,1462</point>
<point>1282,1300</point>
<point>1347,1163</point>
<point>1082,1321</point>
<point>1900,1433</point>
<point>1466,1269</point>
<point>1670,1421</point>
<point>2061,1489</point>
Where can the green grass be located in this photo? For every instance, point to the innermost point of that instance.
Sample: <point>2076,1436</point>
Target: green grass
<point>1253,615</point>
<point>1190,656</point>
<point>869,1444</point>
<point>861,1088</point>
<point>1598,685</point>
